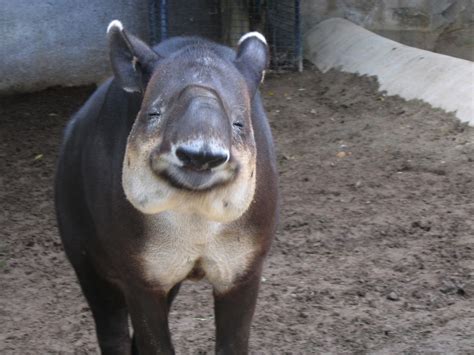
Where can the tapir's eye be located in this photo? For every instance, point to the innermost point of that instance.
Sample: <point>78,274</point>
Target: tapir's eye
<point>238,124</point>
<point>155,113</point>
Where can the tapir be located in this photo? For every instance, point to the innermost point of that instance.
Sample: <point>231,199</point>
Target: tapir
<point>167,173</point>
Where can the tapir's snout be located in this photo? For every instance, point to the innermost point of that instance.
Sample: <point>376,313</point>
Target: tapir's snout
<point>195,152</point>
<point>204,158</point>
<point>193,166</point>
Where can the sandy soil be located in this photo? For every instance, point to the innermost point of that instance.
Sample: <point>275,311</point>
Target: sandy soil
<point>374,254</point>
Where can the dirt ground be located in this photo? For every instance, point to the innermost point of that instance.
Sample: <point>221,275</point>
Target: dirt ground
<point>374,254</point>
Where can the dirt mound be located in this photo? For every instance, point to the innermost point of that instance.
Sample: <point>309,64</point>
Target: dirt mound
<point>374,252</point>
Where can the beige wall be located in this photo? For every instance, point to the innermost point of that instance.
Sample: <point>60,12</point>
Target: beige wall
<point>443,26</point>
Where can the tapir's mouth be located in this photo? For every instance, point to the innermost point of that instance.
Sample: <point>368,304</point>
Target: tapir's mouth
<point>191,179</point>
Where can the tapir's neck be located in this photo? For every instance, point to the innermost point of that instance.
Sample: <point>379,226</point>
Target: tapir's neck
<point>191,225</point>
<point>180,245</point>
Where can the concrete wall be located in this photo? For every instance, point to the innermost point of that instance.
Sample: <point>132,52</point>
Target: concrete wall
<point>412,73</point>
<point>61,42</point>
<point>443,26</point>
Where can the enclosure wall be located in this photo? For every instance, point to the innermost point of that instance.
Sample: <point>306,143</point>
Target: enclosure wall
<point>442,26</point>
<point>47,43</point>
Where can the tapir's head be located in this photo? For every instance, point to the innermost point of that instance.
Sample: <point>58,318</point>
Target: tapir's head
<point>192,147</point>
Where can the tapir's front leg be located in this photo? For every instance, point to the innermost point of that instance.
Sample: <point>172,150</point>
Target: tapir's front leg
<point>149,313</point>
<point>234,310</point>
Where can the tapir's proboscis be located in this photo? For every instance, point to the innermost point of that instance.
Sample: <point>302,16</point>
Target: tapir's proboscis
<point>167,173</point>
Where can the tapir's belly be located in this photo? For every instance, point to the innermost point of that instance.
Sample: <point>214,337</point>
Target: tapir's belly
<point>184,246</point>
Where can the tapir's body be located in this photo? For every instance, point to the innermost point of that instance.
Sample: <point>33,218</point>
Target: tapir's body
<point>132,240</point>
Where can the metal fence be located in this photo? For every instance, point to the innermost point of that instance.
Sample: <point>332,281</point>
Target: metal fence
<point>225,21</point>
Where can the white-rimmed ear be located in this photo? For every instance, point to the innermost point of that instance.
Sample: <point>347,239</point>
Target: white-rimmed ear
<point>252,59</point>
<point>132,59</point>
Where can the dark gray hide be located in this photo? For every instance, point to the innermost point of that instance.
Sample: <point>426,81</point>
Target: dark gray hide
<point>168,173</point>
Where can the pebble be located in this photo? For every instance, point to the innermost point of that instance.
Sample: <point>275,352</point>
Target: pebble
<point>392,296</point>
<point>303,315</point>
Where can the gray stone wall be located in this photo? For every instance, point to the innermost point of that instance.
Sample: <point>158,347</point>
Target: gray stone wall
<point>443,26</point>
<point>62,42</point>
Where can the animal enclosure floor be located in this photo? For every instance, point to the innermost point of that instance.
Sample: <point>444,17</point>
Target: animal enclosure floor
<point>374,253</point>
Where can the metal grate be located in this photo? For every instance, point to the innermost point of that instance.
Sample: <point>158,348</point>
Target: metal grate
<point>225,21</point>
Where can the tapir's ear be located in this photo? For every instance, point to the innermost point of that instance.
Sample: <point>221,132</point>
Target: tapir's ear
<point>252,59</point>
<point>132,60</point>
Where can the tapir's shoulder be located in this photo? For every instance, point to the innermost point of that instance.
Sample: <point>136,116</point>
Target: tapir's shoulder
<point>107,109</point>
<point>89,111</point>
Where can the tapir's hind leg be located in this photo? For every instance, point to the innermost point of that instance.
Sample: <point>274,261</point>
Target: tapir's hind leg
<point>107,304</point>
<point>105,299</point>
<point>109,310</point>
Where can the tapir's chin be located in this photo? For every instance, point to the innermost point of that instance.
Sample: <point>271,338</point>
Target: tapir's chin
<point>222,194</point>
<point>198,180</point>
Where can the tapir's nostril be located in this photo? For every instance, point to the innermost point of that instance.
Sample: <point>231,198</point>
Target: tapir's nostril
<point>201,159</point>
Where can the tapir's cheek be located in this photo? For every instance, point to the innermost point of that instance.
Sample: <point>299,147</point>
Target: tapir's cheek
<point>153,125</point>
<point>143,136</point>
<point>244,148</point>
